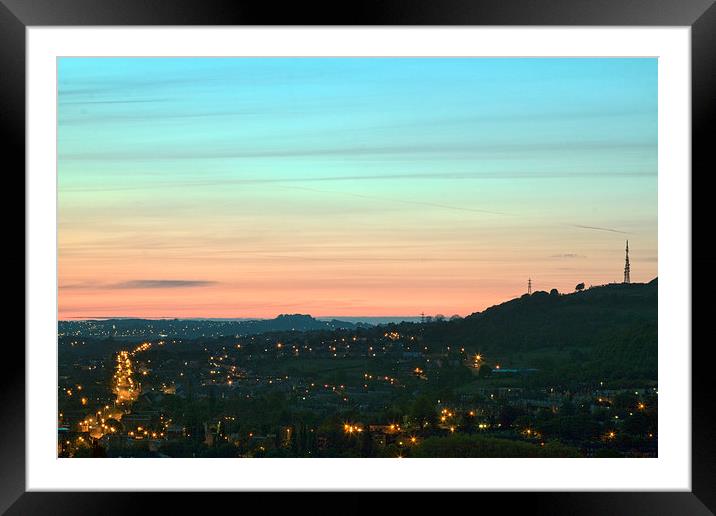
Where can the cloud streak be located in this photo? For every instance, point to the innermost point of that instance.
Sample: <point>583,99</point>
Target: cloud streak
<point>457,150</point>
<point>152,284</point>
<point>112,101</point>
<point>363,177</point>
<point>568,255</point>
<point>141,284</point>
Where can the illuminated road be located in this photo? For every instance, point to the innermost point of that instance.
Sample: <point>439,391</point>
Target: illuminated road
<point>123,383</point>
<point>127,391</point>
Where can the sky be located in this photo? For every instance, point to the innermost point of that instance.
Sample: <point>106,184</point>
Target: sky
<point>250,187</point>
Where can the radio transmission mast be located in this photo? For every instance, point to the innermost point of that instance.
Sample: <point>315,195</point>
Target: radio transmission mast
<point>529,286</point>
<point>627,267</point>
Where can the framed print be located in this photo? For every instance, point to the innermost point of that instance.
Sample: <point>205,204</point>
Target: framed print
<point>415,248</point>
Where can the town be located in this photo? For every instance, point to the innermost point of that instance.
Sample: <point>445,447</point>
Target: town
<point>434,388</point>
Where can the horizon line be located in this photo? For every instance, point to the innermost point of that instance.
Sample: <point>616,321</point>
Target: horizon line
<point>82,318</point>
<point>338,317</point>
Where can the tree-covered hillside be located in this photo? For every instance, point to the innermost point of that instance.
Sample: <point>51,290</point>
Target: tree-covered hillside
<point>608,331</point>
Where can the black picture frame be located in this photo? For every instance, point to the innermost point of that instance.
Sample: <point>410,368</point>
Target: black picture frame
<point>699,15</point>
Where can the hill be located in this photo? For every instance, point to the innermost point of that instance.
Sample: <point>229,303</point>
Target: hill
<point>608,331</point>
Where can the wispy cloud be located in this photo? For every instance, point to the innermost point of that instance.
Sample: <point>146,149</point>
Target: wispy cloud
<point>140,284</point>
<point>447,176</point>
<point>163,284</point>
<point>550,115</point>
<point>454,151</point>
<point>112,101</point>
<point>153,116</point>
<point>568,255</point>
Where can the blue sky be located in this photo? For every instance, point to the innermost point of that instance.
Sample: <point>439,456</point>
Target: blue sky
<point>333,183</point>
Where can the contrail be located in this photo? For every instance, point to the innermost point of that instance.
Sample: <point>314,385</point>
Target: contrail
<point>403,201</point>
<point>600,229</point>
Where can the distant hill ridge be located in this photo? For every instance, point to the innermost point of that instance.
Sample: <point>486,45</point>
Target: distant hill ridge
<point>200,327</point>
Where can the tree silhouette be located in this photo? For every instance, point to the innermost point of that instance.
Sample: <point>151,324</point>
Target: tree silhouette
<point>485,371</point>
